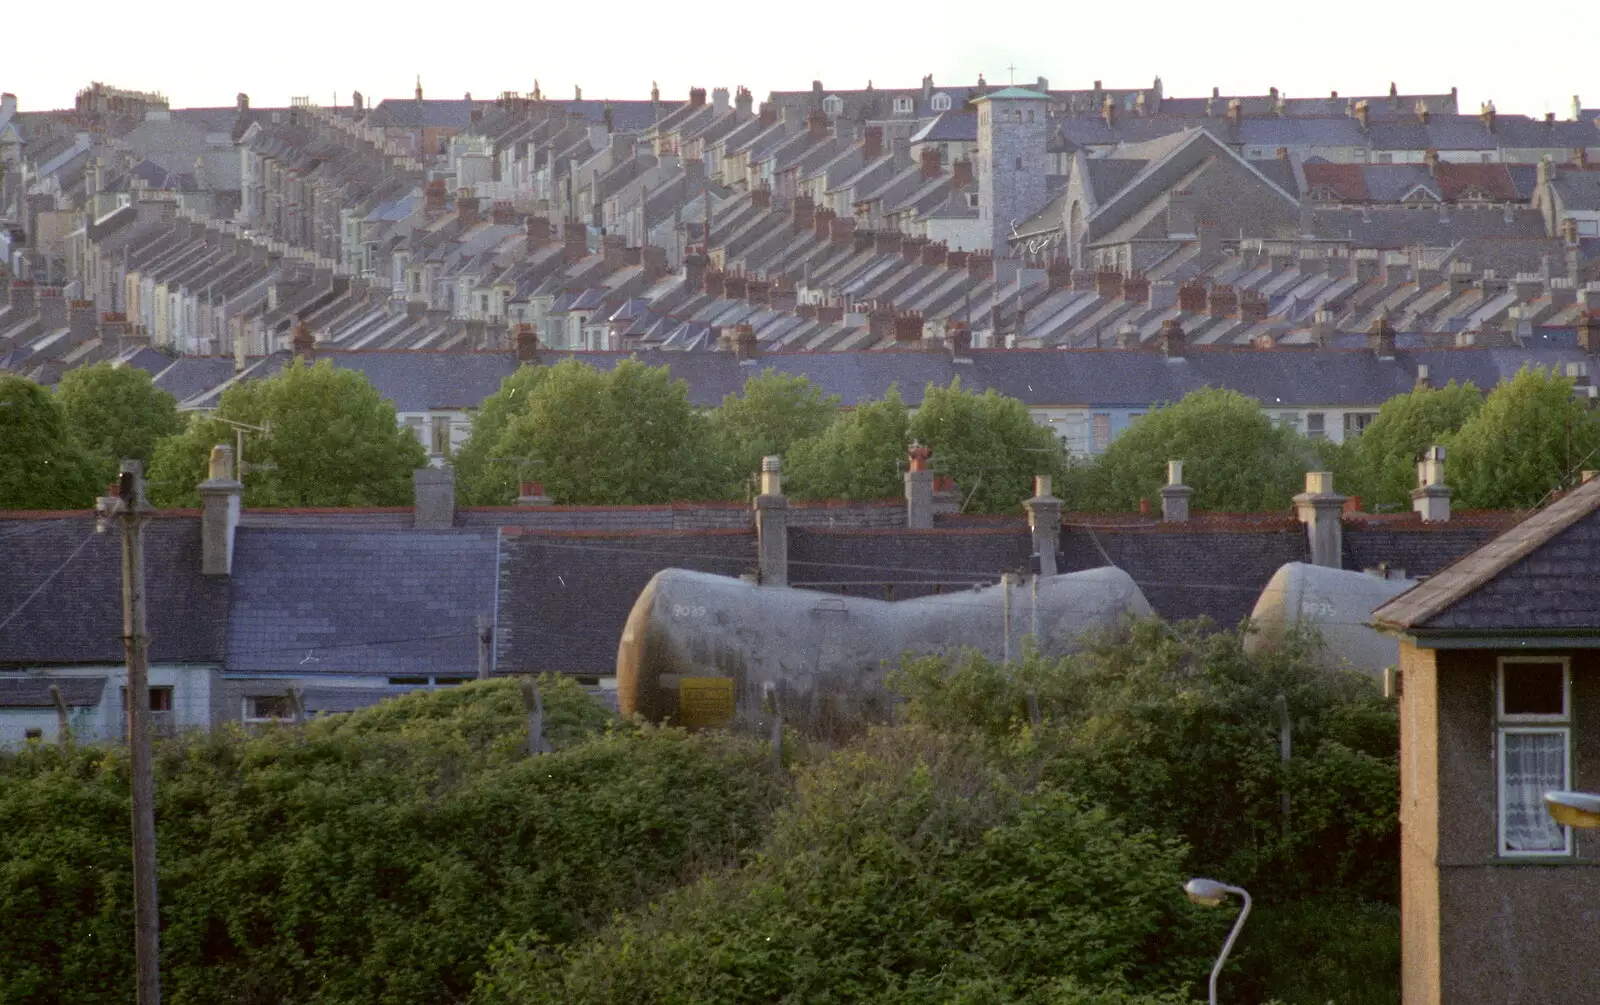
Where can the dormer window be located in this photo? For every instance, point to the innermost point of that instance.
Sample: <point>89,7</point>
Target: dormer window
<point>833,104</point>
<point>902,106</point>
<point>940,102</point>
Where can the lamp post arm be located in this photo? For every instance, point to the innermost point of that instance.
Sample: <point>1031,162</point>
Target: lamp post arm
<point>1233,936</point>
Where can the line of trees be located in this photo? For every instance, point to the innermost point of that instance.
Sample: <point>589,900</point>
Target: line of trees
<point>630,435</point>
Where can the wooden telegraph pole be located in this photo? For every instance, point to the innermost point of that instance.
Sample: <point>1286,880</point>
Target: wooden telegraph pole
<point>131,507</point>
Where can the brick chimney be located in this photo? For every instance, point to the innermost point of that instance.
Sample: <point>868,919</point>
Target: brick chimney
<point>531,494</point>
<point>768,115</point>
<point>1172,339</point>
<point>802,213</point>
<point>1107,282</point>
<point>82,321</point>
<point>841,233</point>
<point>219,513</point>
<point>575,242</point>
<point>880,323</point>
<point>1222,301</point>
<point>613,251</point>
<point>1321,509</point>
<point>1380,339</point>
<point>527,340</point>
<point>772,524</point>
<point>434,197</point>
<point>52,308</point>
<point>1191,297</point>
<point>697,97</point>
<point>960,174</point>
<point>931,163</point>
<point>908,327</point>
<point>822,224</point>
<point>1589,332</point>
<point>301,342</point>
<point>1058,274</point>
<point>435,494</point>
<point>743,102</point>
<point>538,231</point>
<point>654,262</point>
<point>919,489</point>
<point>1431,497</point>
<point>958,335</point>
<point>694,269</point>
<point>761,197</point>
<point>503,214</point>
<point>745,345</point>
<point>466,209</point>
<point>980,265</point>
<point>1136,289</point>
<point>1252,307</point>
<point>113,327</point>
<point>872,143</point>
<point>817,126</point>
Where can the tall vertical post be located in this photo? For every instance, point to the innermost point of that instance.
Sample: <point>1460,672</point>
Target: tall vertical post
<point>485,645</point>
<point>136,641</point>
<point>1007,581</point>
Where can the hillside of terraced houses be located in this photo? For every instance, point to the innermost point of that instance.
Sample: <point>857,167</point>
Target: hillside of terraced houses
<point>948,221</point>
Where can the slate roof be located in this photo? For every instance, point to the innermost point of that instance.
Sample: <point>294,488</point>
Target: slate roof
<point>77,616</point>
<point>1578,190</point>
<point>1538,578</point>
<point>559,613</point>
<point>949,127</point>
<point>335,602</point>
<point>34,692</point>
<point>408,113</point>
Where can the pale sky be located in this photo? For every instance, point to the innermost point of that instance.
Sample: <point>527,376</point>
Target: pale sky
<point>198,52</point>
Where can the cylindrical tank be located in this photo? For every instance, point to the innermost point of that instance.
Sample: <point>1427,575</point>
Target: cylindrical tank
<point>1338,604</point>
<point>703,649</point>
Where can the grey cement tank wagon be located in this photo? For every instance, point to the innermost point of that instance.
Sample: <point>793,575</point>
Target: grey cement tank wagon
<point>701,649</point>
<point>1337,603</point>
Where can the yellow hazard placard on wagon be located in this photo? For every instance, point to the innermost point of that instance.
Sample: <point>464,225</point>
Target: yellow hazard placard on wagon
<point>705,702</point>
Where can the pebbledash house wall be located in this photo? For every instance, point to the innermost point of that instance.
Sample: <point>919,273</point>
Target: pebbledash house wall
<point>1511,931</point>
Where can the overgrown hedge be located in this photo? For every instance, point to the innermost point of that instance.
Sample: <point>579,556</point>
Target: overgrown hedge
<point>371,858</point>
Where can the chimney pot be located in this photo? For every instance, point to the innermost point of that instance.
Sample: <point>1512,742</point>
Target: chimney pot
<point>1431,498</point>
<point>1320,508</point>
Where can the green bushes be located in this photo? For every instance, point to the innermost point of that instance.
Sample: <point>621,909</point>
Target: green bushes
<point>372,858</point>
<point>911,867</point>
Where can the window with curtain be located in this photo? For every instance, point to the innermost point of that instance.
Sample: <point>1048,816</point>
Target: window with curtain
<point>1535,753</point>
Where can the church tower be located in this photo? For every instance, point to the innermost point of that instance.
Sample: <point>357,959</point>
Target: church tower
<point>1013,133</point>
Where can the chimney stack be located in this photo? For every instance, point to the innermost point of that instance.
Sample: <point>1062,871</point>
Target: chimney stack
<point>1320,508</point>
<point>772,524</point>
<point>1381,338</point>
<point>1172,339</point>
<point>466,209</point>
<point>1175,495</point>
<point>531,494</point>
<point>872,145</point>
<point>435,494</point>
<point>538,230</point>
<point>1044,520</point>
<point>527,343</point>
<point>82,318</point>
<point>301,342</point>
<point>919,489</point>
<point>219,514</point>
<point>931,163</point>
<point>1431,498</point>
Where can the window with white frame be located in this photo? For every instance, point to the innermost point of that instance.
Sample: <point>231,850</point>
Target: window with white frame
<point>833,104</point>
<point>902,106</point>
<point>941,102</point>
<point>267,708</point>
<point>1099,431</point>
<point>1316,427</point>
<point>1533,696</point>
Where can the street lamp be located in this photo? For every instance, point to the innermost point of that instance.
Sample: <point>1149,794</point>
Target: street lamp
<point>1574,809</point>
<point>1210,893</point>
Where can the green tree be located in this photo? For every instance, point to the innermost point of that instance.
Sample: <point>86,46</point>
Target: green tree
<point>334,441</point>
<point>1382,460</point>
<point>772,413</point>
<point>1531,437</point>
<point>859,456</point>
<point>116,412</point>
<point>628,436</point>
<point>989,443</point>
<point>42,465</point>
<point>483,477</point>
<point>1234,458</point>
